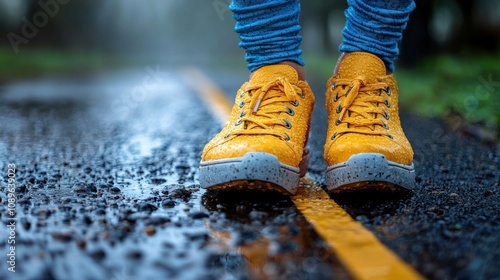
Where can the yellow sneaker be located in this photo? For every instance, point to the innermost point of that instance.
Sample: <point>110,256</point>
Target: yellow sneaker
<point>262,146</point>
<point>365,145</point>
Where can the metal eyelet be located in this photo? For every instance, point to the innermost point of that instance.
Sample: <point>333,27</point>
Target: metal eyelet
<point>337,122</point>
<point>333,86</point>
<point>387,103</point>
<point>303,94</point>
<point>290,111</point>
<point>334,136</point>
<point>242,93</point>
<point>237,122</point>
<point>388,91</point>
<point>386,115</point>
<point>288,125</point>
<point>349,90</point>
<point>335,98</point>
<point>295,103</point>
<point>287,137</point>
<point>386,126</point>
<point>242,103</point>
<point>227,136</point>
<point>339,108</point>
<point>242,114</point>
<point>390,136</point>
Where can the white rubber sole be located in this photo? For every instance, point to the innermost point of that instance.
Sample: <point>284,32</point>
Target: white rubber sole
<point>370,170</point>
<point>253,171</point>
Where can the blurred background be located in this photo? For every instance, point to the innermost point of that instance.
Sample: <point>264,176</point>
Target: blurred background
<point>449,65</point>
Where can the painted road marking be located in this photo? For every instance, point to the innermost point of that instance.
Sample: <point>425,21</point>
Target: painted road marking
<point>213,97</point>
<point>363,255</point>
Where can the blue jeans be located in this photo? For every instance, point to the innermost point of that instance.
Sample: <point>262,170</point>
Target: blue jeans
<point>269,29</point>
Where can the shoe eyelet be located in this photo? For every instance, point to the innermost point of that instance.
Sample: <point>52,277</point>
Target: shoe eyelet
<point>237,122</point>
<point>295,103</point>
<point>288,125</point>
<point>337,122</point>
<point>348,91</point>
<point>242,93</point>
<point>227,136</point>
<point>287,137</point>
<point>290,111</point>
<point>303,94</point>
<point>333,86</point>
<point>388,91</point>
<point>242,114</point>
<point>335,98</point>
<point>387,103</point>
<point>339,108</point>
<point>242,103</point>
<point>386,115</point>
<point>390,136</point>
<point>334,136</point>
<point>386,126</point>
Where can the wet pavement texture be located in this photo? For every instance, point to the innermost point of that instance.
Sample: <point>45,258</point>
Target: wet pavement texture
<point>106,187</point>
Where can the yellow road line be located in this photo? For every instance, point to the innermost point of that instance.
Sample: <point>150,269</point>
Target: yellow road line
<point>213,97</point>
<point>356,247</point>
<point>363,255</point>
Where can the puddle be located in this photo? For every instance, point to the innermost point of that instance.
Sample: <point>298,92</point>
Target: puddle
<point>141,146</point>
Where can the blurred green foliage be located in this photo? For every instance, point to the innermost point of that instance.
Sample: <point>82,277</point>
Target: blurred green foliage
<point>48,61</point>
<point>444,85</point>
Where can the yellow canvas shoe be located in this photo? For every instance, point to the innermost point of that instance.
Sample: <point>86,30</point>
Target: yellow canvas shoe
<point>365,145</point>
<point>262,146</point>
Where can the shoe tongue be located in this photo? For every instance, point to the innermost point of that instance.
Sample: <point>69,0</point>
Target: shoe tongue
<point>269,73</point>
<point>364,64</point>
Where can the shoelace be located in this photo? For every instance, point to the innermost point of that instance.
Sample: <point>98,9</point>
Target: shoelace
<point>358,106</point>
<point>266,102</point>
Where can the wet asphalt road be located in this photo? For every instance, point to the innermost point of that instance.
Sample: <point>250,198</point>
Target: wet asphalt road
<point>106,187</point>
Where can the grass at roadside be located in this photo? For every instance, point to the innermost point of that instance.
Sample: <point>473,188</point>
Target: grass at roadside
<point>442,86</point>
<point>46,61</point>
